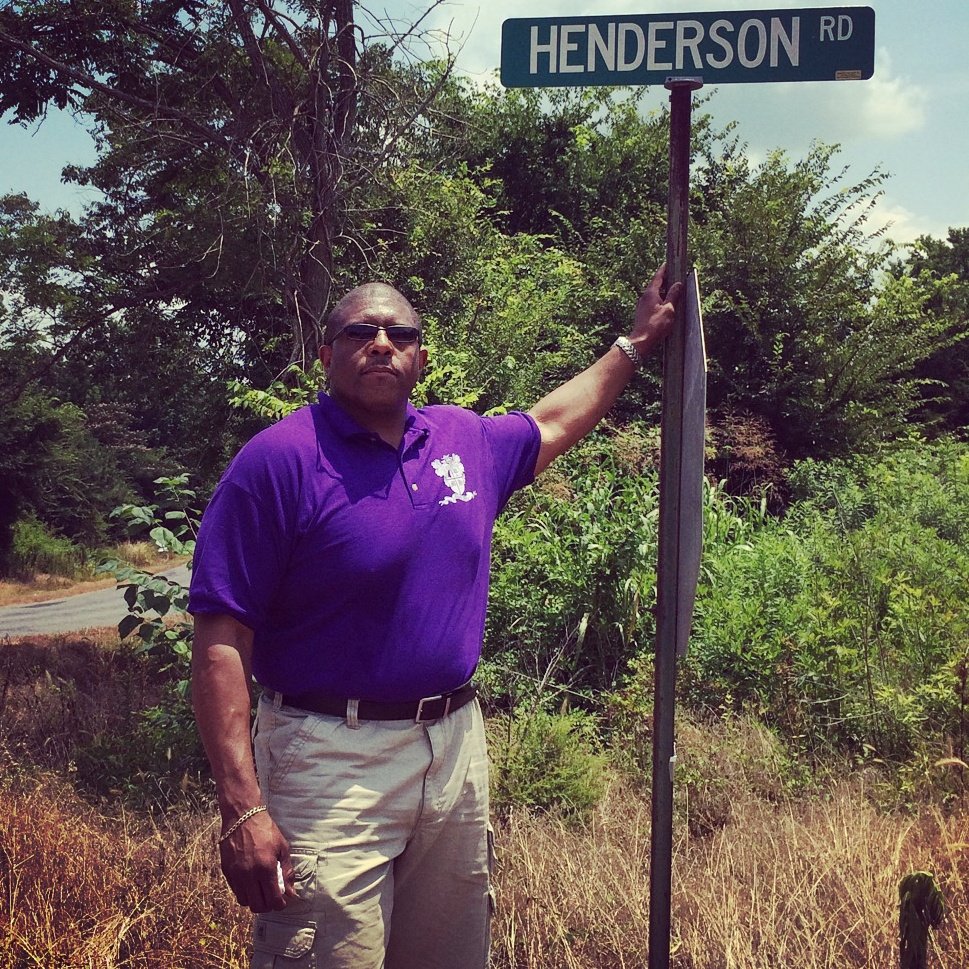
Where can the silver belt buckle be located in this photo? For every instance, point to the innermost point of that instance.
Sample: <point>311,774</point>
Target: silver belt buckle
<point>430,699</point>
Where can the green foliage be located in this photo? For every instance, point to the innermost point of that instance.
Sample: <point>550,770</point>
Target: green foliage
<point>151,760</point>
<point>748,609</point>
<point>282,396</point>
<point>845,624</point>
<point>157,604</point>
<point>505,317</point>
<point>568,165</point>
<point>52,469</point>
<point>35,549</point>
<point>806,329</point>
<point>573,567</point>
<point>163,742</point>
<point>946,262</point>
<point>545,761</point>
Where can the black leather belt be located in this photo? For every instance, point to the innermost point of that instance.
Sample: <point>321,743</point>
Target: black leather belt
<point>420,711</point>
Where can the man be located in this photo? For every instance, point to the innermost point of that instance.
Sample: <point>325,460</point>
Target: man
<point>343,564</point>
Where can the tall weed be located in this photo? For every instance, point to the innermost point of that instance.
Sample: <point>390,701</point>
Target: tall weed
<point>845,624</point>
<point>574,569</point>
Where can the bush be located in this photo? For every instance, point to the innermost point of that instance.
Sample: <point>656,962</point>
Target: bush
<point>105,715</point>
<point>35,548</point>
<point>544,761</point>
<point>155,757</point>
<point>723,767</point>
<point>574,567</point>
<point>844,625</point>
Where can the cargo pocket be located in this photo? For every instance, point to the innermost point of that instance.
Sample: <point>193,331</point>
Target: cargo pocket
<point>306,863</point>
<point>279,944</point>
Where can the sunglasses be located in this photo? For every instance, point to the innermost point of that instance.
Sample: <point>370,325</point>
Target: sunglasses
<point>365,332</point>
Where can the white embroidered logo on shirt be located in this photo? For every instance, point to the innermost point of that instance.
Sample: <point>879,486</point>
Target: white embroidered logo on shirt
<point>451,470</point>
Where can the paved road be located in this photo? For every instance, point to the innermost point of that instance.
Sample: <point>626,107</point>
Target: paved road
<point>106,607</point>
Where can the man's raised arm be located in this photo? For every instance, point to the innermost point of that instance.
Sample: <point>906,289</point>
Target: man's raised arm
<point>570,411</point>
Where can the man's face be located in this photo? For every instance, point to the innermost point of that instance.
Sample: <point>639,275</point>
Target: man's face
<point>376,377</point>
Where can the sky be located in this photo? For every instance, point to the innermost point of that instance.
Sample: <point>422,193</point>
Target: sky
<point>909,120</point>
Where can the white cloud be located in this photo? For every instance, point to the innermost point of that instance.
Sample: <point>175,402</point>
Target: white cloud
<point>890,106</point>
<point>901,224</point>
<point>883,109</point>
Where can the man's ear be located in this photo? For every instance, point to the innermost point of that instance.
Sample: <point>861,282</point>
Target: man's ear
<point>326,355</point>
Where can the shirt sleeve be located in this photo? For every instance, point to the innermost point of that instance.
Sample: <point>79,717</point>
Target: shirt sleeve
<point>243,543</point>
<point>514,440</point>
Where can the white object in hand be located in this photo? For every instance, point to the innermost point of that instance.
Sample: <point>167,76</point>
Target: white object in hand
<point>279,877</point>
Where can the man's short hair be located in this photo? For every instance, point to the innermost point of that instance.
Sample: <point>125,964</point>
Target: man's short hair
<point>334,318</point>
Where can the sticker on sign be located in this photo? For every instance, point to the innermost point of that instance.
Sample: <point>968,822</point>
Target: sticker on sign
<point>819,44</point>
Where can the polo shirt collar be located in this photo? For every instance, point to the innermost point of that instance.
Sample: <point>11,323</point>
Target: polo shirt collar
<point>415,423</point>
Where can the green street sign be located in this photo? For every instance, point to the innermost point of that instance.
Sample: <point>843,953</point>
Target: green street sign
<point>737,47</point>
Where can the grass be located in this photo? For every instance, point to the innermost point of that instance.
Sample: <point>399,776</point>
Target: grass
<point>43,586</point>
<point>767,873</point>
<point>86,890</point>
<point>809,884</point>
<point>806,885</point>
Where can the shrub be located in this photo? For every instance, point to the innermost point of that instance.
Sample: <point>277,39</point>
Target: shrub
<point>156,756</point>
<point>544,761</point>
<point>103,714</point>
<point>724,767</point>
<point>574,567</point>
<point>845,624</point>
<point>746,456</point>
<point>35,548</point>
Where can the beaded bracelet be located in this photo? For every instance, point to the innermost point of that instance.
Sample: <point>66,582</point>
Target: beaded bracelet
<point>241,820</point>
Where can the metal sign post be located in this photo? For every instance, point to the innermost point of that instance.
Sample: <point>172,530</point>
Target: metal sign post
<point>671,514</point>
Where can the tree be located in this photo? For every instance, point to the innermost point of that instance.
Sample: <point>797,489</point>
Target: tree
<point>235,143</point>
<point>803,328</point>
<point>808,339</point>
<point>142,381</point>
<point>53,465</point>
<point>946,263</point>
<point>232,136</point>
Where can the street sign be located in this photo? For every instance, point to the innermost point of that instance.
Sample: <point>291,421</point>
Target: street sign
<point>818,44</point>
<point>693,444</point>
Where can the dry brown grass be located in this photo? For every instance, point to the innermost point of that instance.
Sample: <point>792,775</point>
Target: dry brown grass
<point>808,885</point>
<point>761,878</point>
<point>82,891</point>
<point>802,885</point>
<point>44,587</point>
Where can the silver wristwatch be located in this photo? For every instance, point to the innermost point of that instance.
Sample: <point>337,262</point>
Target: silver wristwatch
<point>626,346</point>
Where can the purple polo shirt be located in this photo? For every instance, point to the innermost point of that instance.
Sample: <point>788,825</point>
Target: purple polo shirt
<point>361,569</point>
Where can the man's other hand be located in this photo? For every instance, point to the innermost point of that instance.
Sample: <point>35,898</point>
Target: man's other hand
<point>249,862</point>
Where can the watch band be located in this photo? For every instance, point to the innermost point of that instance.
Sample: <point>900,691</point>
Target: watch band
<point>627,347</point>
